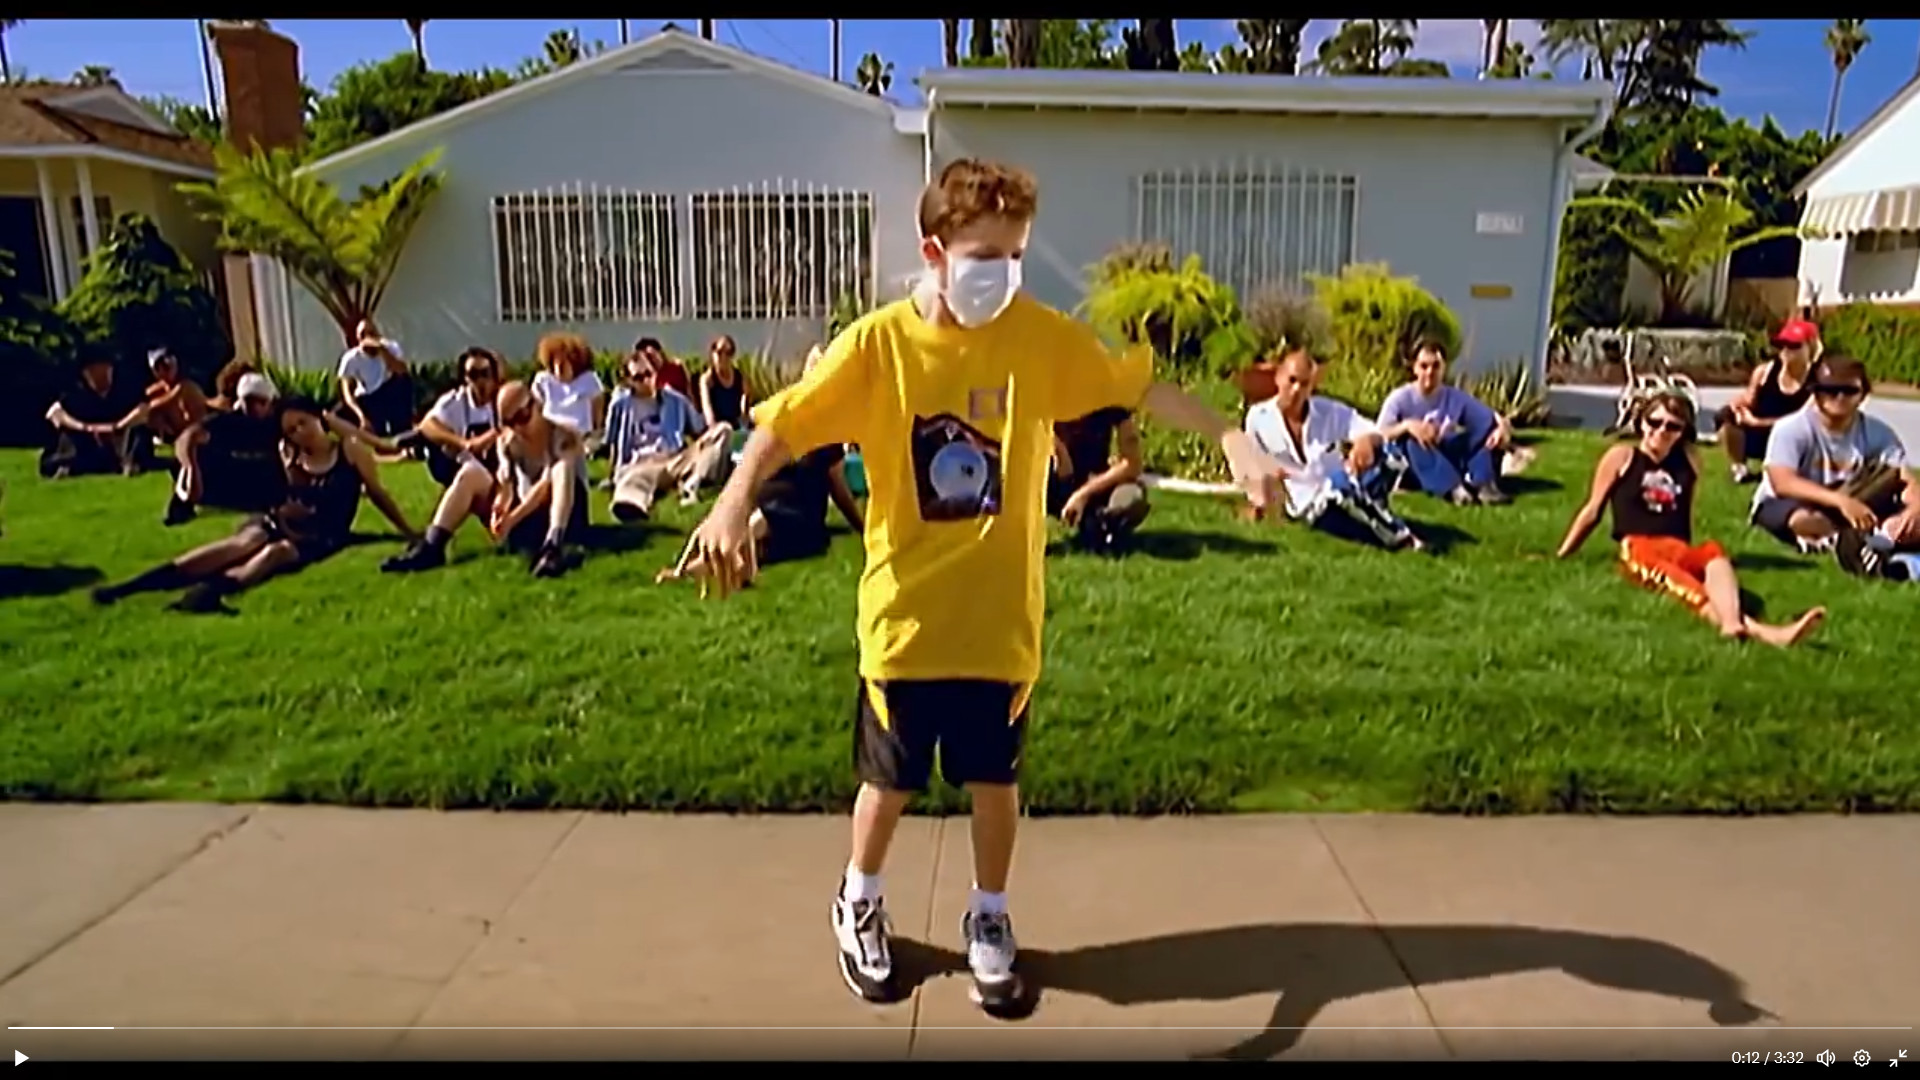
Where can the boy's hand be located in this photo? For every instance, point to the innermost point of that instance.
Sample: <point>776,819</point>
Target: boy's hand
<point>720,550</point>
<point>1258,474</point>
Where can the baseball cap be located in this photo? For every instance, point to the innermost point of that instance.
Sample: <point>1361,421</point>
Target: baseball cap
<point>1796,332</point>
<point>255,385</point>
<point>156,357</point>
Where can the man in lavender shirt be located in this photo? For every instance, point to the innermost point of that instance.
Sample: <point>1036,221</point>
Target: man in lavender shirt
<point>1449,441</point>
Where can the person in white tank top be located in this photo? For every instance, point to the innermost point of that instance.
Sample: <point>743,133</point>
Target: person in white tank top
<point>570,392</point>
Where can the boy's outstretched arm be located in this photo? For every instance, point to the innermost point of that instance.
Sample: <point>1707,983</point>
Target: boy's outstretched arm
<point>1253,469</point>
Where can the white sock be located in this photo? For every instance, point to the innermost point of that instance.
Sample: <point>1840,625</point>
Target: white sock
<point>988,903</point>
<point>859,886</point>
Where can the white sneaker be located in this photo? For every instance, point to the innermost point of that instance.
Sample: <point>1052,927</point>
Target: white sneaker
<point>865,935</point>
<point>991,951</point>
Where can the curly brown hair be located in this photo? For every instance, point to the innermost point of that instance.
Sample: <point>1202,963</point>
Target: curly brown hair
<point>567,355</point>
<point>970,189</point>
<point>227,383</point>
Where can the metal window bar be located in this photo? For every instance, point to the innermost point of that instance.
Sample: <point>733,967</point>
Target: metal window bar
<point>585,253</point>
<point>780,250</point>
<point>1253,224</point>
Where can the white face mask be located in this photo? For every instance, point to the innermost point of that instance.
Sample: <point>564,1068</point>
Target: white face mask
<point>979,290</point>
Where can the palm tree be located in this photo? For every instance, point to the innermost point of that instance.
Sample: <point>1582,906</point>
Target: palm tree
<point>1493,44</point>
<point>1273,45</point>
<point>1846,39</point>
<point>561,48</point>
<point>418,28</point>
<point>94,75</point>
<point>706,29</point>
<point>6,67</point>
<point>1023,42</point>
<point>625,34</point>
<point>980,42</point>
<point>1366,46</point>
<point>873,75</point>
<point>1680,246</point>
<point>950,42</point>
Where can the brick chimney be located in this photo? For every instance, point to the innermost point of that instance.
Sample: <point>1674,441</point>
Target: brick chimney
<point>261,73</point>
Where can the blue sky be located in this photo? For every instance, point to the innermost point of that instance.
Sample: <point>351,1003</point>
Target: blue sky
<point>1784,71</point>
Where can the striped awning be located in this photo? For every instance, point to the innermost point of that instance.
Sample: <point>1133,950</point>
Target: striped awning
<point>1895,210</point>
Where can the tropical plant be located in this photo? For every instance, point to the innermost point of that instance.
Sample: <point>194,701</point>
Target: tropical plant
<point>980,39</point>
<point>1023,42</point>
<point>138,294</point>
<point>1365,388</point>
<point>1886,338</point>
<point>1281,317</point>
<point>191,120</point>
<point>1366,47</point>
<point>1515,62</point>
<point>1373,316</point>
<point>37,344</point>
<point>1272,45</point>
<point>94,75</point>
<point>1699,234</point>
<point>1846,40</point>
<point>563,47</point>
<point>369,100</point>
<point>1513,392</point>
<point>873,75</point>
<point>1178,308</point>
<point>1150,45</point>
<point>1653,64</point>
<point>1493,43</point>
<point>343,252</point>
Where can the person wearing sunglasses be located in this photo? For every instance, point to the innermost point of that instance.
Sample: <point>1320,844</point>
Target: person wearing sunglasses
<point>459,428</point>
<point>1776,390</point>
<point>1838,477</point>
<point>1649,488</point>
<point>540,494</point>
<point>656,437</point>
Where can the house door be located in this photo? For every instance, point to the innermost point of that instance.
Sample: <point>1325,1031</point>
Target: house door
<point>22,238</point>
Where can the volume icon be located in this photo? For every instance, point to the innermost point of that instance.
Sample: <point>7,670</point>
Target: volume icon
<point>1824,1057</point>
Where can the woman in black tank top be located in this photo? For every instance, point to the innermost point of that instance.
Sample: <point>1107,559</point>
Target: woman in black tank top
<point>327,471</point>
<point>1649,487</point>
<point>1777,390</point>
<point>723,387</point>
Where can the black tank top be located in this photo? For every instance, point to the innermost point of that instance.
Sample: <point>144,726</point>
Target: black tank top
<point>331,499</point>
<point>1771,402</point>
<point>727,400</point>
<point>1654,498</point>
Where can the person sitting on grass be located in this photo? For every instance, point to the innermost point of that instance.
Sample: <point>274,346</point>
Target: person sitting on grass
<point>671,373</point>
<point>174,402</point>
<point>1449,440</point>
<point>724,399</point>
<point>376,391</point>
<point>226,384</point>
<point>1835,474</point>
<point>1331,456</point>
<point>460,428</point>
<point>657,437</point>
<point>326,474</point>
<point>1775,391</point>
<point>1094,486</point>
<point>568,389</point>
<point>95,427</point>
<point>540,494</point>
<point>789,519</point>
<point>1650,489</point>
<point>231,459</point>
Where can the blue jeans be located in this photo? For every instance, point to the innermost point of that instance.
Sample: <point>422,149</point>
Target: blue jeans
<point>1356,509</point>
<point>1459,460</point>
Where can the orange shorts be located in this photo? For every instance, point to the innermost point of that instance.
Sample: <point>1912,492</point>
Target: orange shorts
<point>1670,566</point>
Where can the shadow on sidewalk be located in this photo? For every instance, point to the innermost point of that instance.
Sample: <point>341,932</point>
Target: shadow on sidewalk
<point>1311,966</point>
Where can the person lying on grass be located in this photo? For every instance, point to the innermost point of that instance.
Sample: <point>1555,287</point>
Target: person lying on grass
<point>1447,439</point>
<point>326,475</point>
<point>789,520</point>
<point>1775,391</point>
<point>951,395</point>
<point>1341,492</point>
<point>1650,487</point>
<point>1838,477</point>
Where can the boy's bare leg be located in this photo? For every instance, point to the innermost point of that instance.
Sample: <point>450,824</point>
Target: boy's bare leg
<point>995,824</point>
<point>876,816</point>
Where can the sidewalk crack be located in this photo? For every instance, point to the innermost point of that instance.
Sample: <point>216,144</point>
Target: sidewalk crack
<point>1413,984</point>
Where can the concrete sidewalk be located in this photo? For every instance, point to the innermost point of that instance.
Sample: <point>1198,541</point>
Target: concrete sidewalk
<point>591,936</point>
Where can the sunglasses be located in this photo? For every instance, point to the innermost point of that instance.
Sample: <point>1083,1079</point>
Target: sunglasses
<point>1671,426</point>
<point>520,418</point>
<point>479,373</point>
<point>1838,391</point>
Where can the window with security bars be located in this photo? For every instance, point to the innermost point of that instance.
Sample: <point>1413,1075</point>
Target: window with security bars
<point>586,254</point>
<point>777,252</point>
<point>1252,226</point>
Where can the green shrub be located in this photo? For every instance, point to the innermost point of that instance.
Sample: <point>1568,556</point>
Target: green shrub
<point>1279,317</point>
<point>38,347</point>
<point>1512,392</point>
<point>138,294</point>
<point>1180,307</point>
<point>319,385</point>
<point>1170,452</point>
<point>1590,272</point>
<point>1373,316</point>
<point>1886,339</point>
<point>1364,388</point>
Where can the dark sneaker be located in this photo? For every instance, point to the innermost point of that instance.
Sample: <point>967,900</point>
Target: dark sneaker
<point>105,595</point>
<point>179,512</point>
<point>200,600</point>
<point>550,562</point>
<point>1490,495</point>
<point>629,512</point>
<point>865,935</point>
<point>1861,554</point>
<point>417,557</point>
<point>991,951</point>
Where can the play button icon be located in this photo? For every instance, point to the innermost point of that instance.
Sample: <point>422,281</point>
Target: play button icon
<point>19,1058</point>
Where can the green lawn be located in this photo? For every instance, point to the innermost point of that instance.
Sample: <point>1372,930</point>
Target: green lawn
<point>1231,666</point>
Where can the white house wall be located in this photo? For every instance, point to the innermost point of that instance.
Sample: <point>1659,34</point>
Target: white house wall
<point>1831,272</point>
<point>1423,183</point>
<point>646,129</point>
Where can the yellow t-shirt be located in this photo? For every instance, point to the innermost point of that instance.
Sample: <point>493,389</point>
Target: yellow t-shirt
<point>955,428</point>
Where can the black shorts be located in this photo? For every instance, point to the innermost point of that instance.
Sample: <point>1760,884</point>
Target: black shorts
<point>976,727</point>
<point>310,549</point>
<point>1753,440</point>
<point>530,535</point>
<point>791,534</point>
<point>244,486</point>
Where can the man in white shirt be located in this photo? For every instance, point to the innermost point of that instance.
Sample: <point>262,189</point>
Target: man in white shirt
<point>1331,455</point>
<point>375,390</point>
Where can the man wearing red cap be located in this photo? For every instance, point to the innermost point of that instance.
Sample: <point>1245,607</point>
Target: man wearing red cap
<point>1776,390</point>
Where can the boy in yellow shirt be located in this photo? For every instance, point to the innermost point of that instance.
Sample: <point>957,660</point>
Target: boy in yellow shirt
<point>951,396</point>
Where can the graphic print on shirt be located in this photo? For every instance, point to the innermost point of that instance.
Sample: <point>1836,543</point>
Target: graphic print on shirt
<point>1659,491</point>
<point>956,470</point>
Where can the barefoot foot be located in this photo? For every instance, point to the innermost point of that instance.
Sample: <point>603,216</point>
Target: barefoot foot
<point>1792,633</point>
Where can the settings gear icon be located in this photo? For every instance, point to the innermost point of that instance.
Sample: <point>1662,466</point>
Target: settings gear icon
<point>1861,1057</point>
